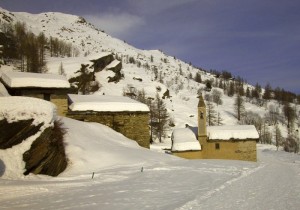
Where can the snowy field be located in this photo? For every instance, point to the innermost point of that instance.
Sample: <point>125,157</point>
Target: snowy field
<point>129,177</point>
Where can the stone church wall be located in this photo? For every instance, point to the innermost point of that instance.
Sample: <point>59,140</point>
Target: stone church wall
<point>233,150</point>
<point>133,125</point>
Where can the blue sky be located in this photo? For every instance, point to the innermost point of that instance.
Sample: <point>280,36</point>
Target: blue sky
<point>258,40</point>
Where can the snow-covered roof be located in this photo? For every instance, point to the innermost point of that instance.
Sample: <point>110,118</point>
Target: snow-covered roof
<point>113,64</point>
<point>15,108</point>
<point>184,139</point>
<point>104,103</point>
<point>98,55</point>
<point>232,132</point>
<point>3,91</point>
<point>25,79</point>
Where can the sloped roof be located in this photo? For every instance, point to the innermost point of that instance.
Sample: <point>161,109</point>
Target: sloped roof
<point>105,103</point>
<point>113,64</point>
<point>25,79</point>
<point>201,102</point>
<point>232,132</point>
<point>184,139</point>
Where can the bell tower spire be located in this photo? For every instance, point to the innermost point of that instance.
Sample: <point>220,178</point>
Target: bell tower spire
<point>202,133</point>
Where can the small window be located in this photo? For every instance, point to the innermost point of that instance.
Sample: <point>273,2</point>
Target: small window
<point>201,115</point>
<point>217,146</point>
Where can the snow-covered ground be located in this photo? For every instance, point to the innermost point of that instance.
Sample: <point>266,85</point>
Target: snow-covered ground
<point>130,177</point>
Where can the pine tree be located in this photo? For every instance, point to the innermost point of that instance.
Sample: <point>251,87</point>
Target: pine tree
<point>61,70</point>
<point>85,81</point>
<point>239,106</point>
<point>211,115</point>
<point>219,119</point>
<point>267,93</point>
<point>278,136</point>
<point>290,115</point>
<point>161,117</point>
<point>41,41</point>
<point>231,89</point>
<point>198,77</point>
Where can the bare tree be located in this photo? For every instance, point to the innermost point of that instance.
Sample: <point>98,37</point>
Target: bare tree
<point>216,97</point>
<point>273,115</point>
<point>265,135</point>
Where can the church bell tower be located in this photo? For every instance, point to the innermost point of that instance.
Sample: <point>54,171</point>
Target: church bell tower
<point>202,133</point>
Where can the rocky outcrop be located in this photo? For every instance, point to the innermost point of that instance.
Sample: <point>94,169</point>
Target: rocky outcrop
<point>47,153</point>
<point>100,63</point>
<point>14,133</point>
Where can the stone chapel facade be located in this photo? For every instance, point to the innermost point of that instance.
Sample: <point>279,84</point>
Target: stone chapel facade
<point>219,142</point>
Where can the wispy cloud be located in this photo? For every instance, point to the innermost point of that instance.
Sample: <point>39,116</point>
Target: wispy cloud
<point>156,6</point>
<point>116,24</point>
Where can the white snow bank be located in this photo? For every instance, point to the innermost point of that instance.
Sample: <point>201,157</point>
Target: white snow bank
<point>113,64</point>
<point>91,147</point>
<point>184,139</point>
<point>230,132</point>
<point>3,91</point>
<point>25,79</point>
<point>104,103</point>
<point>16,108</point>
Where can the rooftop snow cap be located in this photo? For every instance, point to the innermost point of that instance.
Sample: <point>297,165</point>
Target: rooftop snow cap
<point>233,132</point>
<point>184,139</point>
<point>104,103</point>
<point>25,79</point>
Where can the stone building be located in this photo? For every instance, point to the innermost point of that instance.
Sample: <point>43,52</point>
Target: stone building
<point>124,115</point>
<point>50,87</point>
<point>237,142</point>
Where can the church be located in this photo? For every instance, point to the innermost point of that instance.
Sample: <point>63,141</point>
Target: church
<point>236,142</point>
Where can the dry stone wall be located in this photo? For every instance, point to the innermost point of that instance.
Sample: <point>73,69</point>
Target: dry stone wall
<point>133,125</point>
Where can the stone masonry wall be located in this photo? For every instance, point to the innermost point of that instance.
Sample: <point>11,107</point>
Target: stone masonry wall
<point>234,150</point>
<point>133,125</point>
<point>61,103</point>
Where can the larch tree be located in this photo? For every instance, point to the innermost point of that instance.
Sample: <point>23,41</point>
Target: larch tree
<point>278,136</point>
<point>161,117</point>
<point>211,114</point>
<point>239,106</point>
<point>198,77</point>
<point>290,115</point>
<point>61,70</point>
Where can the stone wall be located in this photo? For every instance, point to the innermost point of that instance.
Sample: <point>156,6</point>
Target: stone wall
<point>61,102</point>
<point>233,150</point>
<point>133,125</point>
<point>189,154</point>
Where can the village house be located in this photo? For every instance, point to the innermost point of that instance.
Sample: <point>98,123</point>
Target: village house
<point>50,87</point>
<point>124,115</point>
<point>236,142</point>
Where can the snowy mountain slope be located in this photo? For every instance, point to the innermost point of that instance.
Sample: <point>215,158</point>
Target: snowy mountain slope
<point>171,73</point>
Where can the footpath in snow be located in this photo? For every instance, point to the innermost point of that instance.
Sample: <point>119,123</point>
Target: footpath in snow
<point>272,183</point>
